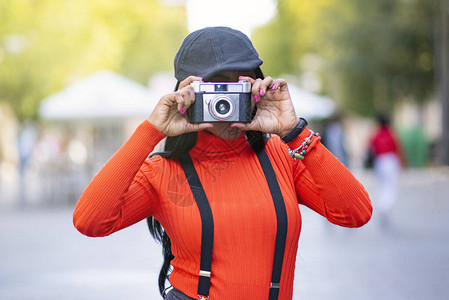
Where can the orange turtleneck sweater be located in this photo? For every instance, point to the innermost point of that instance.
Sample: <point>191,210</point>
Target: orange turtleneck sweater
<point>130,187</point>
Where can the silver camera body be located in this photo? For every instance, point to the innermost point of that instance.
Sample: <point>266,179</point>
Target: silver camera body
<point>221,102</point>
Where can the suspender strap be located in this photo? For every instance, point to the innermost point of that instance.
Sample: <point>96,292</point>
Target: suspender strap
<point>281,216</point>
<point>207,225</point>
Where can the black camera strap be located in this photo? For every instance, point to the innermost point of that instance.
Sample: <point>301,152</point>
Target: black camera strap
<point>208,224</point>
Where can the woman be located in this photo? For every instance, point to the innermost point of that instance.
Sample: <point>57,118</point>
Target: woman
<point>247,226</point>
<point>388,160</point>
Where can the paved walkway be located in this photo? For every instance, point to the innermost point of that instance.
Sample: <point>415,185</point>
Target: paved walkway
<point>43,257</point>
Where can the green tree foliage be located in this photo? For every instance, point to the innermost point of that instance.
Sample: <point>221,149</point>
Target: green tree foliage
<point>47,44</point>
<point>375,53</point>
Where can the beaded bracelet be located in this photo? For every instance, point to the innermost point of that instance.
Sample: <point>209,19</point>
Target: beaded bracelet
<point>300,152</point>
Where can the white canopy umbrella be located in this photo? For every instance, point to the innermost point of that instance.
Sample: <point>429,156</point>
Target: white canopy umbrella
<point>310,106</point>
<point>103,95</point>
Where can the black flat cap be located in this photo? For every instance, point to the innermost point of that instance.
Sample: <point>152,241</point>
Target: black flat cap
<point>212,50</point>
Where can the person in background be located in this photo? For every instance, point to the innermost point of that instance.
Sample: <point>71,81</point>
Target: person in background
<point>388,159</point>
<point>334,138</point>
<point>248,184</point>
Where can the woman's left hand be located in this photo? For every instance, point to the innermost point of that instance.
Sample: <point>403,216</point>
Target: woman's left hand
<point>275,112</point>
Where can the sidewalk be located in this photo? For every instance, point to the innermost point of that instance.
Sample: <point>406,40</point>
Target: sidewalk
<point>409,261</point>
<point>42,256</point>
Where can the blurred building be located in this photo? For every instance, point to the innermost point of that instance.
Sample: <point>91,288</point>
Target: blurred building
<point>83,126</point>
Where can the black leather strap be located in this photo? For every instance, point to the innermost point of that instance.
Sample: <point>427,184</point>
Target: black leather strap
<point>207,224</point>
<point>282,222</point>
<point>295,131</point>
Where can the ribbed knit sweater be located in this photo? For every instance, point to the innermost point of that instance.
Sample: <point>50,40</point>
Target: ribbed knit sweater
<point>130,187</point>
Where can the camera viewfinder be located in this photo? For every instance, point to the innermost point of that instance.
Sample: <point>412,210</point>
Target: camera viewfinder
<point>221,87</point>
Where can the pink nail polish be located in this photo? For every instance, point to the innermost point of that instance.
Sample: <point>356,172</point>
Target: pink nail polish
<point>261,92</point>
<point>274,87</point>
<point>256,98</point>
<point>182,110</point>
<point>234,127</point>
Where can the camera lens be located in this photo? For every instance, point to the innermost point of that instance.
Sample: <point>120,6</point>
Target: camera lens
<point>222,107</point>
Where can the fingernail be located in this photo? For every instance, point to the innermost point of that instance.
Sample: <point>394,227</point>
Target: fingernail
<point>274,87</point>
<point>256,98</point>
<point>234,126</point>
<point>182,110</point>
<point>261,92</point>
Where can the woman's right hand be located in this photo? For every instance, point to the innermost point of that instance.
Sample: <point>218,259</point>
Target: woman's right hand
<point>169,114</point>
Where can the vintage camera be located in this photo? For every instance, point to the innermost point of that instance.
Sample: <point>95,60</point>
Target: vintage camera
<point>221,102</point>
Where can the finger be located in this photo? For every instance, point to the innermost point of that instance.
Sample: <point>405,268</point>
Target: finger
<point>188,81</point>
<point>247,78</point>
<point>188,96</point>
<point>279,84</point>
<point>180,102</point>
<point>193,127</point>
<point>255,89</point>
<point>264,85</point>
<point>168,100</point>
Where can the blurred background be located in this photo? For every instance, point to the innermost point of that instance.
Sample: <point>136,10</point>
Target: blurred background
<point>77,77</point>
